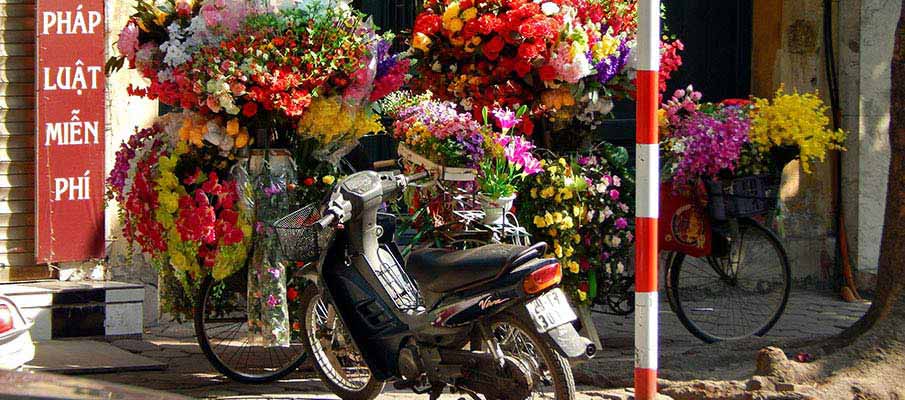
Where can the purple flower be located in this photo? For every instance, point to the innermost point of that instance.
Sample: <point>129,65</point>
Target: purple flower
<point>604,256</point>
<point>614,194</point>
<point>629,236</point>
<point>609,67</point>
<point>273,301</point>
<point>272,190</point>
<point>621,223</point>
<point>275,272</point>
<point>506,118</point>
<point>712,143</point>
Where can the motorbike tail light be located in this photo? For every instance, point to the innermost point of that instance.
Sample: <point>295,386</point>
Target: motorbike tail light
<point>6,318</point>
<point>543,278</point>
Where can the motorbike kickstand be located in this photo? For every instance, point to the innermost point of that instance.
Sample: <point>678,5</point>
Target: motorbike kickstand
<point>436,391</point>
<point>492,345</point>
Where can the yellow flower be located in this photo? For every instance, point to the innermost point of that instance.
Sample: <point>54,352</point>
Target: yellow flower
<point>567,223</point>
<point>533,193</point>
<point>562,161</point>
<point>454,25</point>
<point>557,249</point>
<point>574,267</point>
<point>582,296</point>
<point>242,139</point>
<point>328,179</point>
<point>422,42</point>
<point>566,193</point>
<point>577,210</point>
<point>557,217</point>
<point>552,232</point>
<point>452,11</point>
<point>548,192</point>
<point>606,47</point>
<point>539,221</point>
<point>576,238</point>
<point>569,251</point>
<point>548,219</point>
<point>470,14</point>
<point>795,119</point>
<point>232,127</point>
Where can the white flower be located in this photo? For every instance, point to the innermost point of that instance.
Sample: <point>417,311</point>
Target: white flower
<point>620,268</point>
<point>549,8</point>
<point>600,188</point>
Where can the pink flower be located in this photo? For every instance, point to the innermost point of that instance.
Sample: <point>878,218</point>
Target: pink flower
<point>506,118</point>
<point>621,223</point>
<point>614,194</point>
<point>273,301</point>
<point>128,41</point>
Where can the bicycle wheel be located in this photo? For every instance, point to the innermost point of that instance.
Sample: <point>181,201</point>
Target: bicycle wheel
<point>734,296</point>
<point>221,325</point>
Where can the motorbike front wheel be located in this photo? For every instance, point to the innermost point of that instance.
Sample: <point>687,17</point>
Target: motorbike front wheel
<point>550,370</point>
<point>336,358</point>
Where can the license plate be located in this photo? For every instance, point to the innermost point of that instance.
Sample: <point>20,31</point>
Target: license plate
<point>550,310</point>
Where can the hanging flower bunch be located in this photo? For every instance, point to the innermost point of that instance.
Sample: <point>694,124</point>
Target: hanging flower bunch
<point>551,56</point>
<point>438,131</point>
<point>606,234</point>
<point>241,60</point>
<point>798,120</point>
<point>175,204</point>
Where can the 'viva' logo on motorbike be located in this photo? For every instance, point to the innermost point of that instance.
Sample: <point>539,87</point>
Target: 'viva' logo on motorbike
<point>487,302</point>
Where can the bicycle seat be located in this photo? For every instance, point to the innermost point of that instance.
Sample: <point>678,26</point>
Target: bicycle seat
<point>444,270</point>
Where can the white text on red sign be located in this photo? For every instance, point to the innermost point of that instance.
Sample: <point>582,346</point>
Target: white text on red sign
<point>70,22</point>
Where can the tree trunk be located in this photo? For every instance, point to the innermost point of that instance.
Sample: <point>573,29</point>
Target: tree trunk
<point>891,274</point>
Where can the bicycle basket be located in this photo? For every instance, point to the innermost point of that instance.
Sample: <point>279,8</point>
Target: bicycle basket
<point>299,235</point>
<point>742,197</point>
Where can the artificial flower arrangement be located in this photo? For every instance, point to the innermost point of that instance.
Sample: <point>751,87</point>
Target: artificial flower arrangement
<point>561,58</point>
<point>581,206</point>
<point>314,66</point>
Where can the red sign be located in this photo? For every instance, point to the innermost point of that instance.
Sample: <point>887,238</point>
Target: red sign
<point>684,224</point>
<point>69,144</point>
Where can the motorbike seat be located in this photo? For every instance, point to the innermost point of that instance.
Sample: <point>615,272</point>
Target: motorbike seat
<point>444,270</point>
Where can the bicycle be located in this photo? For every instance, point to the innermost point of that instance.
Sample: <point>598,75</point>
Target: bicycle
<point>742,287</point>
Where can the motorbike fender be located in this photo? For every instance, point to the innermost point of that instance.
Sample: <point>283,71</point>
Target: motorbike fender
<point>377,333</point>
<point>462,308</point>
<point>571,344</point>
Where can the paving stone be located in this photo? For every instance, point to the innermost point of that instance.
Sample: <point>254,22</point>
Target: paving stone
<point>134,345</point>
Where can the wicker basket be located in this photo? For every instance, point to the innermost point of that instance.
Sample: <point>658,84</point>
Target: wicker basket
<point>742,197</point>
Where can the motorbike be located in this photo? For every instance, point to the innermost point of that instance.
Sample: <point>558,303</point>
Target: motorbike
<point>488,321</point>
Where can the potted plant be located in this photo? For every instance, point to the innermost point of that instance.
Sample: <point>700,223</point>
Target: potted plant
<point>507,159</point>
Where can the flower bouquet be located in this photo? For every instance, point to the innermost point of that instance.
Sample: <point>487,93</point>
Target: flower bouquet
<point>508,160</point>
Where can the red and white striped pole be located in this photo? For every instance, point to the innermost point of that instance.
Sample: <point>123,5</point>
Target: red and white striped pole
<point>647,199</point>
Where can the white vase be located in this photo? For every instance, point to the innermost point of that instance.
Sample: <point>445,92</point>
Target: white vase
<point>495,209</point>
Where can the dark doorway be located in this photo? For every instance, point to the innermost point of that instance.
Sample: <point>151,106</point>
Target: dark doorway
<point>717,36</point>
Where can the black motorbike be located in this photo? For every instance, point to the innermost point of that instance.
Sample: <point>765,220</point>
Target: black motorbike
<point>488,321</point>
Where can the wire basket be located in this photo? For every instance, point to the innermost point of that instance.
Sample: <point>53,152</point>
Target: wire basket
<point>299,235</point>
<point>742,197</point>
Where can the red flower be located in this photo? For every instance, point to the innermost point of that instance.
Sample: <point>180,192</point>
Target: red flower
<point>547,73</point>
<point>292,294</point>
<point>584,287</point>
<point>250,109</point>
<point>309,181</point>
<point>493,47</point>
<point>428,23</point>
<point>522,68</point>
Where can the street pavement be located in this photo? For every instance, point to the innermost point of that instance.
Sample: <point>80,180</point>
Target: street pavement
<point>809,315</point>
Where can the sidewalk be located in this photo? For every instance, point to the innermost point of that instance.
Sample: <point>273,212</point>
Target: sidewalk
<point>810,315</point>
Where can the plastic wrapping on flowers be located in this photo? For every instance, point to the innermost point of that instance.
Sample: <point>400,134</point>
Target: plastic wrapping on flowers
<point>265,185</point>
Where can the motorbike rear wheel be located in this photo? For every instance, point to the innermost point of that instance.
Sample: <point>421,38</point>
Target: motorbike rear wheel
<point>338,362</point>
<point>550,370</point>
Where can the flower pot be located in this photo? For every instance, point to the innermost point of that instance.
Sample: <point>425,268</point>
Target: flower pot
<point>495,209</point>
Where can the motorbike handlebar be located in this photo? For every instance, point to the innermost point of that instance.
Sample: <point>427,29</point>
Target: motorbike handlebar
<point>326,221</point>
<point>417,176</point>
